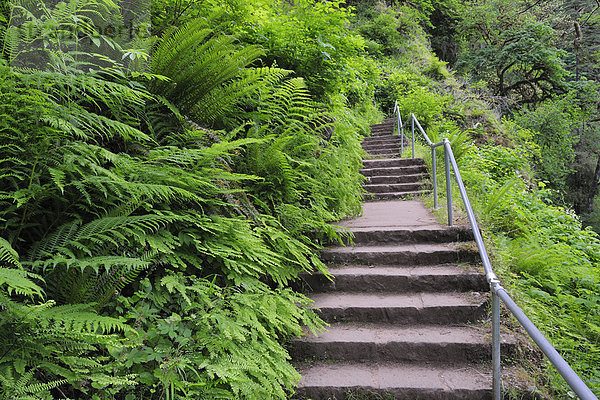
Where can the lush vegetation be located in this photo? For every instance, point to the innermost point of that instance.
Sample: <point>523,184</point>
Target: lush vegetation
<point>167,171</point>
<point>154,211</point>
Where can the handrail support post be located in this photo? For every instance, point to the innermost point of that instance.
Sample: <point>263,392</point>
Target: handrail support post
<point>413,134</point>
<point>448,181</point>
<point>496,369</point>
<point>401,137</point>
<point>434,178</point>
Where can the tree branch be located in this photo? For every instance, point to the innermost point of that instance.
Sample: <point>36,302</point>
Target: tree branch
<point>527,9</point>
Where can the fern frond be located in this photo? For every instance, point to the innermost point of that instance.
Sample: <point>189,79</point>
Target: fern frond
<point>207,70</point>
<point>81,318</point>
<point>19,282</point>
<point>8,255</point>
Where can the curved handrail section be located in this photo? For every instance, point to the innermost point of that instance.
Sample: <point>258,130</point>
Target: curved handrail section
<point>498,292</point>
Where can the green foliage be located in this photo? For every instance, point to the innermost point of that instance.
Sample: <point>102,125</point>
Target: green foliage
<point>557,263</point>
<point>187,323</point>
<point>205,87</point>
<point>311,38</point>
<point>553,124</point>
<point>70,36</point>
<point>426,105</point>
<point>144,255</point>
<point>459,139</point>
<point>516,55</point>
<point>388,30</point>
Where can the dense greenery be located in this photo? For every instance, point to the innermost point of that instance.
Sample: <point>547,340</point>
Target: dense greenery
<point>162,184</point>
<point>144,254</point>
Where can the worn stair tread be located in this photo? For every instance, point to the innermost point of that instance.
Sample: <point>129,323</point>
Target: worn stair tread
<point>383,215</point>
<point>400,248</point>
<point>408,228</point>
<point>418,177</point>
<point>387,147</point>
<point>382,152</point>
<point>382,132</point>
<point>394,187</point>
<point>398,278</point>
<point>385,333</point>
<point>405,308</point>
<point>393,135</point>
<point>393,162</point>
<point>381,144</point>
<point>387,155</point>
<point>387,171</point>
<point>410,234</point>
<point>398,376</point>
<point>392,170</point>
<point>397,300</point>
<point>403,270</point>
<point>395,195</point>
<point>383,141</point>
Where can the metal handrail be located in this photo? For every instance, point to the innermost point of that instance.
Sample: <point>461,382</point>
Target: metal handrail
<point>399,127</point>
<point>498,292</point>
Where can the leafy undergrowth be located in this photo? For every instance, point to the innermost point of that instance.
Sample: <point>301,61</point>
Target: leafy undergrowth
<point>144,255</point>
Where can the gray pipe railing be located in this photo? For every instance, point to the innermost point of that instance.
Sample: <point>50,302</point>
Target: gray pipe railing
<point>399,127</point>
<point>498,292</point>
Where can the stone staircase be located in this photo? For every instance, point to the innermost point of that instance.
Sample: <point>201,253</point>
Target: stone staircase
<point>386,128</point>
<point>383,146</point>
<point>395,178</point>
<point>404,306</point>
<point>389,177</point>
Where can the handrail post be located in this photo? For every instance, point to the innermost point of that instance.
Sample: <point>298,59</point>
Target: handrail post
<point>448,181</point>
<point>496,370</point>
<point>434,168</point>
<point>413,134</point>
<point>401,137</point>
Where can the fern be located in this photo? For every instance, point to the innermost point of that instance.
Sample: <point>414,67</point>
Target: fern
<point>8,255</point>
<point>119,198</point>
<point>19,282</point>
<point>207,70</point>
<point>22,388</point>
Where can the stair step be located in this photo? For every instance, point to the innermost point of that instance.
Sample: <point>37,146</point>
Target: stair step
<point>384,343</point>
<point>382,140</point>
<point>388,131</point>
<point>395,187</point>
<point>382,127</point>
<point>412,308</point>
<point>393,162</point>
<point>385,124</point>
<point>408,178</point>
<point>388,171</point>
<point>377,154</point>
<point>381,146</point>
<point>321,381</point>
<point>369,278</point>
<point>403,254</point>
<point>390,149</point>
<point>384,145</point>
<point>410,234</point>
<point>394,195</point>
